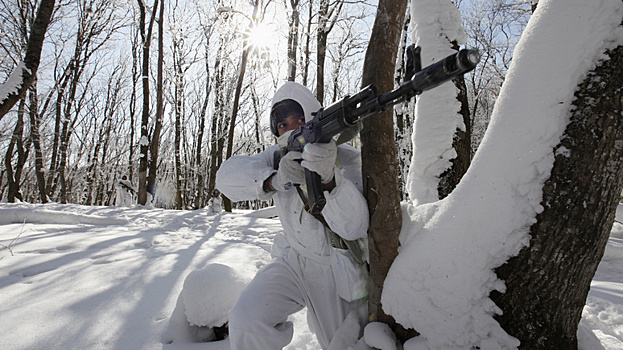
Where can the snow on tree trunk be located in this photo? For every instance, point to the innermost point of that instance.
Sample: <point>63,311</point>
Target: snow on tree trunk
<point>24,73</point>
<point>436,25</point>
<point>441,281</point>
<point>548,282</point>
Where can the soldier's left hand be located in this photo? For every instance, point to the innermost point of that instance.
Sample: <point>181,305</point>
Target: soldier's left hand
<point>320,158</point>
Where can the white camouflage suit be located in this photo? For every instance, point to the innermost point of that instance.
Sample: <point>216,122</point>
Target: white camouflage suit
<point>125,192</point>
<point>306,271</point>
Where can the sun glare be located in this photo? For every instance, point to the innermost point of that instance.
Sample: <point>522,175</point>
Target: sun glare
<point>262,36</point>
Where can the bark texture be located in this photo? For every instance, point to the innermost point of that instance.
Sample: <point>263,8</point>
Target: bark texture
<point>548,282</point>
<point>379,158</point>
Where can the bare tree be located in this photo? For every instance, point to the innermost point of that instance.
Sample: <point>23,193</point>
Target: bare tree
<point>97,22</point>
<point>21,21</point>
<point>293,39</point>
<point>146,36</point>
<point>182,61</point>
<point>494,27</point>
<point>546,285</point>
<point>207,31</point>
<point>132,103</point>
<point>35,136</point>
<point>307,49</point>
<point>240,80</point>
<point>24,74</point>
<point>101,138</point>
<point>154,145</point>
<point>349,45</point>
<point>239,83</point>
<point>379,158</point>
<point>327,17</point>
<point>220,116</point>
<point>14,173</point>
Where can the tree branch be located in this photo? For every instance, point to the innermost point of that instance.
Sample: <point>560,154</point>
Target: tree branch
<point>31,60</point>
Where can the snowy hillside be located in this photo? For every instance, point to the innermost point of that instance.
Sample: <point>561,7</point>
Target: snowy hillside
<point>77,277</point>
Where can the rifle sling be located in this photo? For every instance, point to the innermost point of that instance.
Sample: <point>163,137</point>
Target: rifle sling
<point>336,241</point>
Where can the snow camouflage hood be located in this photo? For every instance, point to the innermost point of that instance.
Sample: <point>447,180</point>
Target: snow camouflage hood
<point>300,94</point>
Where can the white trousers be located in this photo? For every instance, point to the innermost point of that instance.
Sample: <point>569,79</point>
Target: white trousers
<point>258,321</point>
<point>124,198</point>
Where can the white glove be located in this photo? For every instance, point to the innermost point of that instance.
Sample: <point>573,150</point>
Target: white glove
<point>290,172</point>
<point>320,158</point>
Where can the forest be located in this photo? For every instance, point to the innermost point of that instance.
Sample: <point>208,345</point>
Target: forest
<point>501,188</point>
<point>167,90</point>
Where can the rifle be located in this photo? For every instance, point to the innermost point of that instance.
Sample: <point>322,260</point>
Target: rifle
<point>350,110</point>
<point>129,188</point>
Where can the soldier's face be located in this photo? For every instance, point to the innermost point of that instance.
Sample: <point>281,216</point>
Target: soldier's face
<point>292,122</point>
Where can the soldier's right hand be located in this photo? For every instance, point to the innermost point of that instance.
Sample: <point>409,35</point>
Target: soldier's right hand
<point>290,172</point>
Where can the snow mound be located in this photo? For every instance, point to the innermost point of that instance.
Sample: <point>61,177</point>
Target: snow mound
<point>39,215</point>
<point>378,335</point>
<point>210,293</point>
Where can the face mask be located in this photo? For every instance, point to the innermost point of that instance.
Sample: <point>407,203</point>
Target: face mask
<point>282,140</point>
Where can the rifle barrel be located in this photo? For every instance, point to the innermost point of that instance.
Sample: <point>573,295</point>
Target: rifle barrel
<point>430,77</point>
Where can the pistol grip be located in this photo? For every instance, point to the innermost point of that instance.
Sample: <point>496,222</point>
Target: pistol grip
<point>314,192</point>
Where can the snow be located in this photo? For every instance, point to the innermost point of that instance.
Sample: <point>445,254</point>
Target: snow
<point>143,141</point>
<point>380,336</point>
<point>76,277</point>
<point>222,283</point>
<point>81,277</point>
<point>12,85</point>
<point>436,24</point>
<point>457,242</point>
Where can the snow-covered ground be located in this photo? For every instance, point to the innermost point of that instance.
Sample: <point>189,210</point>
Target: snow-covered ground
<point>79,277</point>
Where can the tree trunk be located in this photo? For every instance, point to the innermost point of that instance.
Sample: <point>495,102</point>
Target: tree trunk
<point>239,83</point>
<point>379,158</point>
<point>52,180</point>
<point>179,93</point>
<point>199,202</point>
<point>144,142</point>
<point>92,170</point>
<point>327,17</point>
<point>94,179</point>
<point>548,282</point>
<point>67,121</point>
<point>132,106</point>
<point>219,97</point>
<point>154,145</point>
<point>462,143</point>
<point>293,39</point>
<point>403,113</point>
<point>32,56</point>
<point>321,48</point>
<point>36,141</point>
<point>14,174</point>
<point>307,56</point>
<point>257,125</point>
